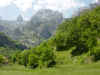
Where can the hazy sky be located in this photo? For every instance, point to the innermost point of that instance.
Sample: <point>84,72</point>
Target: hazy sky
<point>10,9</point>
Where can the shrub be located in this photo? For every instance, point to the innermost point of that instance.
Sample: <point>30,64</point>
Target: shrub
<point>42,56</point>
<point>96,53</point>
<point>33,60</point>
<point>2,59</point>
<point>23,57</point>
<point>15,56</point>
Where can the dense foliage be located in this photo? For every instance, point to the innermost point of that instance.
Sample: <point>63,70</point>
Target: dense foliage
<point>8,47</point>
<point>1,59</point>
<point>81,32</point>
<point>77,40</point>
<point>41,56</point>
<point>78,36</point>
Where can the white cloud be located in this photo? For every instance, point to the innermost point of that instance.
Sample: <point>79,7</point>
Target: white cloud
<point>95,1</point>
<point>38,4</point>
<point>23,4</point>
<point>5,2</point>
<point>60,5</point>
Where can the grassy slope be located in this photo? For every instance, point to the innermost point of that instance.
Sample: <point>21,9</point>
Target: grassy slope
<point>89,69</point>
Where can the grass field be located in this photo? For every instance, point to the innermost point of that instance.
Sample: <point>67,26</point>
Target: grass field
<point>88,69</point>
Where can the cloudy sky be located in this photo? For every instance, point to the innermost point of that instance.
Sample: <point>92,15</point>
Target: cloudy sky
<point>10,9</point>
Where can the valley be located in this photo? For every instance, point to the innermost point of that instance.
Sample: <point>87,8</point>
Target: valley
<point>50,44</point>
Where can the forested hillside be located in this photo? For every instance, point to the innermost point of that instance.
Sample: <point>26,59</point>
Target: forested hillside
<point>76,40</point>
<point>8,42</point>
<point>54,43</point>
<point>80,35</point>
<point>8,46</point>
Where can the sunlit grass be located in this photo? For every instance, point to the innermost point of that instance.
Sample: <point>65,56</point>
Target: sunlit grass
<point>86,69</point>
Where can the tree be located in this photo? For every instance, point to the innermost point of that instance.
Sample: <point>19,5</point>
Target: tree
<point>23,59</point>
<point>2,59</point>
<point>41,56</point>
<point>80,32</point>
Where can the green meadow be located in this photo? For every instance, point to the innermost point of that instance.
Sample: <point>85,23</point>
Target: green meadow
<point>75,69</point>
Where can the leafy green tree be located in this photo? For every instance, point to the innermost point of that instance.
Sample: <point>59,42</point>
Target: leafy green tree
<point>15,56</point>
<point>42,56</point>
<point>80,32</point>
<point>23,58</point>
<point>33,60</point>
<point>1,59</point>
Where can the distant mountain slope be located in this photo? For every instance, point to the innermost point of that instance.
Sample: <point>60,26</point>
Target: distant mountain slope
<point>45,22</point>
<point>8,43</point>
<point>40,27</point>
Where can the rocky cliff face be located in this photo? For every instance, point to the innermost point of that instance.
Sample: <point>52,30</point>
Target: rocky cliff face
<point>40,27</point>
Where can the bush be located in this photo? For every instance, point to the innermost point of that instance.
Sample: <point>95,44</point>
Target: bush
<point>23,57</point>
<point>15,56</point>
<point>33,60</point>
<point>42,56</point>
<point>2,59</point>
<point>96,53</point>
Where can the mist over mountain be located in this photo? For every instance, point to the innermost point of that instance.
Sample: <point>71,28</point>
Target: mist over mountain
<point>40,27</point>
<point>45,20</point>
